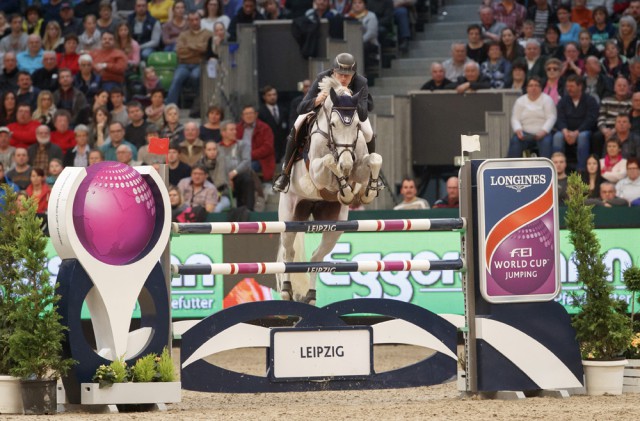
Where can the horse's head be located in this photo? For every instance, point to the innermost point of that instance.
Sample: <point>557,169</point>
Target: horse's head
<point>344,127</point>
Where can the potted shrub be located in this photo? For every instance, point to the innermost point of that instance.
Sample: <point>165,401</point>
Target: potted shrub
<point>10,397</point>
<point>35,343</point>
<point>602,327</point>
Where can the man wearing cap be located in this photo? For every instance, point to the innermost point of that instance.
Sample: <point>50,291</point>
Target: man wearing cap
<point>31,60</point>
<point>6,150</point>
<point>68,22</point>
<point>344,71</point>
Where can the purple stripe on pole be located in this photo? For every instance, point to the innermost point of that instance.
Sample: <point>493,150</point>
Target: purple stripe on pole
<point>248,267</point>
<point>248,227</point>
<point>393,225</point>
<point>394,266</point>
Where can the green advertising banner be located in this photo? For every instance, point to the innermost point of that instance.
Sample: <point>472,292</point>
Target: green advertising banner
<point>438,291</point>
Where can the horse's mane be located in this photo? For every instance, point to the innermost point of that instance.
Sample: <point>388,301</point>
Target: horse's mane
<point>329,82</point>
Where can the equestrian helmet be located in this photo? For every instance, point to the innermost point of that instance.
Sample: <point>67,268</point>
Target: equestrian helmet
<point>345,64</point>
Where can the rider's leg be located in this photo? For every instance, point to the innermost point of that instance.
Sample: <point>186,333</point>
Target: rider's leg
<point>281,183</point>
<point>369,137</point>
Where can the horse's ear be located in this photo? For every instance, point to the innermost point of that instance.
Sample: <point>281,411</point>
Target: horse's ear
<point>333,96</point>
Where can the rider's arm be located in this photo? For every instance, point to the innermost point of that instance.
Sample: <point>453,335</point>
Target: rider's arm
<point>308,103</point>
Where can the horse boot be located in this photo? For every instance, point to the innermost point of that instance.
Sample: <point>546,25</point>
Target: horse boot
<point>310,298</point>
<point>281,184</point>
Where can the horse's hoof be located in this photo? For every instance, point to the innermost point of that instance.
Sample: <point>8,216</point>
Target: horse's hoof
<point>367,199</point>
<point>346,199</point>
<point>286,293</point>
<point>310,298</point>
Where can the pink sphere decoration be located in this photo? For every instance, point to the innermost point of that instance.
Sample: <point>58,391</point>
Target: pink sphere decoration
<point>114,213</point>
<point>524,261</point>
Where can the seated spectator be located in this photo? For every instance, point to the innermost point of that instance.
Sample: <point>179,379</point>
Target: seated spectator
<point>213,13</point>
<point>627,39</point>
<point>10,184</point>
<point>369,22</point>
<point>438,80</point>
<point>216,173</point>
<point>613,165</point>
<point>116,132</point>
<point>129,46</point>
<point>613,63</point>
<point>629,142</point>
<point>560,163</point>
<point>511,49</point>
<point>534,59</point>
<point>592,176</point>
<point>543,16</point>
<point>602,29</point>
<point>44,151</point>
<point>118,110</point>
<point>191,49</point>
<point>496,69</point>
<point>136,130</point>
<point>273,11</point>
<point>109,62</point>
<point>610,108</point>
<point>6,150</point>
<point>90,39</point>
<point>569,31</point>
<point>176,25</point>
<point>160,9</point>
<point>585,46</point>
<point>95,156</point>
<point>150,83</point>
<point>100,100</point>
<point>384,12</point>
<point>52,39</point>
<point>173,129</point>
<point>454,66</point>
<point>155,110</point>
<point>145,29</point>
<point>78,156</point>
<point>8,108</point>
<point>491,28</point>
<point>177,169</point>
<point>572,64</point>
<point>510,13</point>
<point>575,122</point>
<point>236,157</point>
<point>554,85</point>
<point>34,22</point>
<point>86,80</point>
<point>197,191</point>
<point>144,155</point>
<point>31,59</point>
<point>20,174</point>
<point>634,74</point>
<point>635,113</point>
<point>452,199</point>
<point>581,15</point>
<point>39,190</point>
<point>46,77</point>
<point>210,130</point>
<point>177,204</point>
<point>68,58</point>
<point>597,83</point>
<point>471,81</point>
<point>45,109</point>
<point>629,187</point>
<point>532,120</point>
<point>551,47</point>
<point>124,155</point>
<point>106,21</point>
<point>70,99</point>
<point>24,129</point>
<point>192,147</point>
<point>68,22</point>
<point>258,134</point>
<point>16,41</point>
<point>5,28</point>
<point>99,127</point>
<point>63,136</point>
<point>55,168</point>
<point>249,13</point>
<point>476,50</point>
<point>607,197</point>
<point>518,76</point>
<point>410,200</point>
<point>9,73</point>
<point>528,28</point>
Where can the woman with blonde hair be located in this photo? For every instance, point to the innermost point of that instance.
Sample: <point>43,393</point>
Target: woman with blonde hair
<point>173,129</point>
<point>53,39</point>
<point>45,109</point>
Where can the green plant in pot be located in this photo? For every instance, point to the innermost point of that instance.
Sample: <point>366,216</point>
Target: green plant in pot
<point>35,344</point>
<point>602,328</point>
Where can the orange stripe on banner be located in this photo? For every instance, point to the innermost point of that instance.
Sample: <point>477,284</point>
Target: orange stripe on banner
<point>516,220</point>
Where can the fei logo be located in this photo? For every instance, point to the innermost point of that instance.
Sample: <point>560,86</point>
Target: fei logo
<point>521,252</point>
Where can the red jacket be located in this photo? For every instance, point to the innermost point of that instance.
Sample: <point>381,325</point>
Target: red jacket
<point>66,140</point>
<point>69,61</point>
<point>261,148</point>
<point>23,135</point>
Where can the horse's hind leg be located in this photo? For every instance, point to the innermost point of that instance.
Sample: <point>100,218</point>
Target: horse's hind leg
<point>286,254</point>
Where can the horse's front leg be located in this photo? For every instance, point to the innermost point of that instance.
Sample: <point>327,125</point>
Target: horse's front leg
<point>345,192</point>
<point>372,161</point>
<point>329,240</point>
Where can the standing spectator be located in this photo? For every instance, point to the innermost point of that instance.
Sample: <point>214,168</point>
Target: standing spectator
<point>211,129</point>
<point>16,41</point>
<point>41,153</point>
<point>46,108</point>
<point>191,49</point>
<point>602,30</point>
<point>454,66</point>
<point>173,129</point>
<point>627,37</point>
<point>560,163</point>
<point>491,28</point>
<point>496,68</point>
<point>249,13</point>
<point>610,108</point>
<point>20,174</point>
<point>62,136</point>
<point>68,22</point>
<point>592,176</point>
<point>116,132</point>
<point>236,159</point>
<point>511,14</point>
<point>452,199</point>
<point>68,58</point>
<point>438,80</point>
<point>31,59</point>
<point>6,150</point>
<point>176,25</point>
<point>145,28</point>
<point>629,187</point>
<point>532,120</point>
<point>136,130</point>
<point>39,190</point>
<point>613,62</point>
<point>8,108</point>
<point>476,49</point>
<point>577,117</point>
<point>410,199</point>
<point>197,191</point>
<point>69,98</point>
<point>275,116</point>
<point>89,40</point>
<point>46,77</point>
<point>106,21</point>
<point>613,165</point>
<point>86,80</point>
<point>534,59</point>
<point>109,62</point>
<point>542,14</point>
<point>78,156</point>
<point>569,31</point>
<point>192,147</point>
<point>511,48</point>
<point>213,13</point>
<point>597,84</point>
<point>178,170</point>
<point>257,134</point>
<point>629,142</point>
<point>9,74</point>
<point>24,129</point>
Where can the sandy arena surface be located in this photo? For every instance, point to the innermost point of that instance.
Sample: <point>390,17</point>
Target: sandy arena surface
<point>441,402</point>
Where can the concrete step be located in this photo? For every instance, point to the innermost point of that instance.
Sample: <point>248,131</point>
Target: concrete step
<point>415,63</point>
<point>429,48</point>
<point>447,26</point>
<point>473,3</point>
<point>404,83</point>
<point>424,71</point>
<point>393,90</point>
<point>459,13</point>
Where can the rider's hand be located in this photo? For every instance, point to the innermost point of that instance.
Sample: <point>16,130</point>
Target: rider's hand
<point>320,98</point>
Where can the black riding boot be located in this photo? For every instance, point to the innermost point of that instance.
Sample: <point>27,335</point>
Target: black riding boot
<point>281,184</point>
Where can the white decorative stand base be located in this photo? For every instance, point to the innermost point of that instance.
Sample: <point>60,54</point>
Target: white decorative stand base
<point>604,377</point>
<point>631,382</point>
<point>157,394</point>
<point>10,395</point>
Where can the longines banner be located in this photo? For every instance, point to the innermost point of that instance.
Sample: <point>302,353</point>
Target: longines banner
<point>199,296</point>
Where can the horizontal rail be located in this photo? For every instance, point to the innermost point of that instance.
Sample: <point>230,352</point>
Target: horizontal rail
<point>317,267</point>
<point>275,227</point>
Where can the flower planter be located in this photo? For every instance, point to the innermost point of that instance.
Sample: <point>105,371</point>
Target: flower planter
<point>130,393</point>
<point>604,377</point>
<point>10,395</point>
<point>39,397</point>
<point>631,381</point>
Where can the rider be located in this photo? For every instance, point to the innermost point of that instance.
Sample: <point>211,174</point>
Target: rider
<point>344,71</point>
